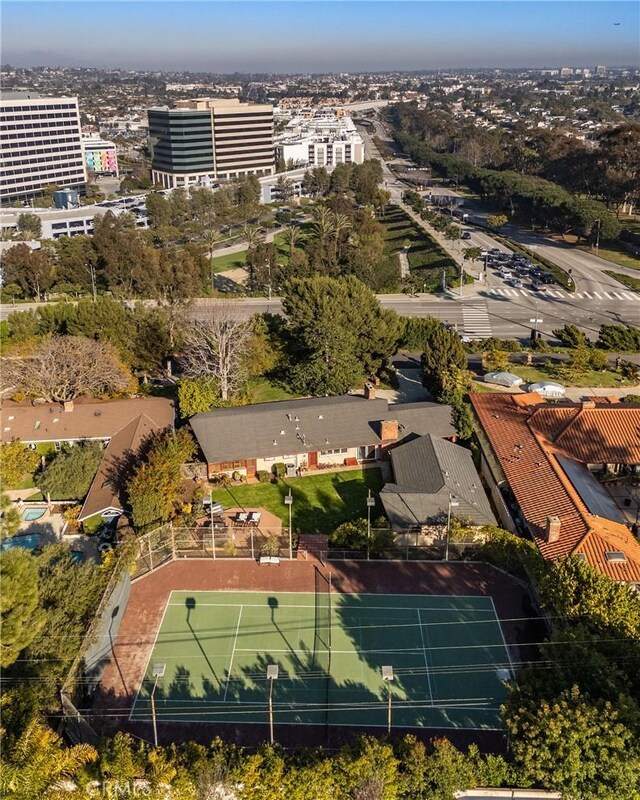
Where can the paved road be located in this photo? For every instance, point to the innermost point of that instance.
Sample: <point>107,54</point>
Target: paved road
<point>598,299</point>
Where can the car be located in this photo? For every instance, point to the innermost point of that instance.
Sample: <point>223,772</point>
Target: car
<point>465,235</point>
<point>548,389</point>
<point>517,284</point>
<point>495,251</point>
<point>547,278</point>
<point>507,379</point>
<point>506,274</point>
<point>538,287</point>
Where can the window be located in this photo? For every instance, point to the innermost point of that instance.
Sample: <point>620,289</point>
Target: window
<point>336,452</point>
<point>616,557</point>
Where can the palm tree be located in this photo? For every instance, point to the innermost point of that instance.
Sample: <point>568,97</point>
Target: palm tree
<point>322,224</point>
<point>252,234</point>
<point>341,222</point>
<point>38,761</point>
<point>292,236</point>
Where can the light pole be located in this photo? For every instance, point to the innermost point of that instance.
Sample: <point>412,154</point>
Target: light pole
<point>371,501</point>
<point>387,675</point>
<point>213,535</point>
<point>272,675</point>
<point>158,672</point>
<point>288,501</point>
<point>453,503</point>
<point>598,235</point>
<point>536,321</point>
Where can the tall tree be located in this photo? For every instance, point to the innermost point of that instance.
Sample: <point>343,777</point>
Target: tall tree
<point>29,269</point>
<point>214,348</point>
<point>20,614</point>
<point>443,352</point>
<point>64,367</point>
<point>69,475</point>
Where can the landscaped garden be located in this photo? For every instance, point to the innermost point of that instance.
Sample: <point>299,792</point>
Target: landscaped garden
<point>321,502</point>
<point>427,259</point>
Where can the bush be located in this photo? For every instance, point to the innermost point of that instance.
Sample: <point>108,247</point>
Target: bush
<point>598,359</point>
<point>630,398</point>
<point>263,476</point>
<point>279,470</point>
<point>236,476</point>
<point>69,475</point>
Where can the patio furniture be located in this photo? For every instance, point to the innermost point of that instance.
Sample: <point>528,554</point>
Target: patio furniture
<point>254,518</point>
<point>242,518</point>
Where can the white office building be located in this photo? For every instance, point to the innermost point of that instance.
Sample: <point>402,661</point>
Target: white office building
<point>40,144</point>
<point>321,141</point>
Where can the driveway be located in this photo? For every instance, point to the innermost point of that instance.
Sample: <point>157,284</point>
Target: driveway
<point>410,388</point>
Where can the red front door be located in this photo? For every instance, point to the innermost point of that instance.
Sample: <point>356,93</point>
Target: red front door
<point>313,459</point>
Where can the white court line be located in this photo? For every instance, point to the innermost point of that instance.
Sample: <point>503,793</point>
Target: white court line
<point>595,294</point>
<point>233,652</point>
<point>424,650</point>
<point>155,641</point>
<point>506,647</point>
<point>617,295</point>
<point>607,295</point>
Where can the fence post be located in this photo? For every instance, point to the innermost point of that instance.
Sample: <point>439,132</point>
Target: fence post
<point>173,540</point>
<point>150,554</point>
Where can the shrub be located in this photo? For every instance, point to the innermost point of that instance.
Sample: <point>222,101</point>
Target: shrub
<point>598,359</point>
<point>279,469</point>
<point>263,476</point>
<point>236,476</point>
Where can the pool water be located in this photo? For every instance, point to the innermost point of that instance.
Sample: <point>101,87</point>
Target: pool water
<point>29,541</point>
<point>29,514</point>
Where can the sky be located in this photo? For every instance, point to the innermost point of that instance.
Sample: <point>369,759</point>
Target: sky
<point>301,36</point>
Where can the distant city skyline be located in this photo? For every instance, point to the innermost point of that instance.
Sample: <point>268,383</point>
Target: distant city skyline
<point>294,37</point>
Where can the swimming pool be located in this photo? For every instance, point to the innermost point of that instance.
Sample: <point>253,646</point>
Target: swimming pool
<point>35,512</point>
<point>29,541</point>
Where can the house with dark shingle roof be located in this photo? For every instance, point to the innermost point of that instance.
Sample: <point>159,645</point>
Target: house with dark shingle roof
<point>427,472</point>
<point>312,433</point>
<point>541,461</point>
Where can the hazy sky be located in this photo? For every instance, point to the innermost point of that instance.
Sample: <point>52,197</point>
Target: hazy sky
<point>339,36</point>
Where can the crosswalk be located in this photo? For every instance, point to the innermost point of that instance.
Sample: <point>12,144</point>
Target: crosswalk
<point>503,291</point>
<point>475,319</point>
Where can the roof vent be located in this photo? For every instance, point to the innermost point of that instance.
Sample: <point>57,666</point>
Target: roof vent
<point>616,557</point>
<point>275,441</point>
<point>97,413</point>
<point>297,418</point>
<point>11,416</point>
<point>580,556</point>
<point>320,416</point>
<point>289,417</point>
<point>282,433</point>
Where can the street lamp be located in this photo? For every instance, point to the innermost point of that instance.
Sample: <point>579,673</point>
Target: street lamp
<point>158,672</point>
<point>288,501</point>
<point>453,503</point>
<point>387,675</point>
<point>598,234</point>
<point>272,675</point>
<point>371,501</point>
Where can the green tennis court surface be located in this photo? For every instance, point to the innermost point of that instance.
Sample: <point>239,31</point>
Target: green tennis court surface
<point>445,652</point>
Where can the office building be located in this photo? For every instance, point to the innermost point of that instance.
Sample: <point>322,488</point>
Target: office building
<point>40,145</point>
<point>100,156</point>
<point>601,71</point>
<point>204,140</point>
<point>321,141</point>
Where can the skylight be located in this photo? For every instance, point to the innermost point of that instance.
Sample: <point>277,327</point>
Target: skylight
<point>615,556</point>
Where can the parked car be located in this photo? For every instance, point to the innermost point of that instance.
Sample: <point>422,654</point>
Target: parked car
<point>507,379</point>
<point>548,389</point>
<point>466,235</point>
<point>506,274</point>
<point>547,278</point>
<point>516,283</point>
<point>538,287</point>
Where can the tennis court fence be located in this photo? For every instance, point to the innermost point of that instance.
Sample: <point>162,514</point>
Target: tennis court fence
<point>169,543</point>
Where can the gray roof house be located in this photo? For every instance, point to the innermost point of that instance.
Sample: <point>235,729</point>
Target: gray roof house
<point>426,471</point>
<point>349,428</point>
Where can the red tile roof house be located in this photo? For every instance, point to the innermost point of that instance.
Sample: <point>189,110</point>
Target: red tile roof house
<point>541,458</point>
<point>121,424</point>
<point>312,433</point>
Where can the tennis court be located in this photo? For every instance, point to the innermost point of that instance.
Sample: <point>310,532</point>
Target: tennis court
<point>446,653</point>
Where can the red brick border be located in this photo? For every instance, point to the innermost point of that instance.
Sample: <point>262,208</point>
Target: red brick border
<point>149,595</point>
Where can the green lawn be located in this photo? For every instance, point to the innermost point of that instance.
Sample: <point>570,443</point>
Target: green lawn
<point>426,258</point>
<point>320,502</point>
<point>629,281</point>
<point>261,390</point>
<point>591,378</point>
<point>617,255</point>
<point>235,260</point>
